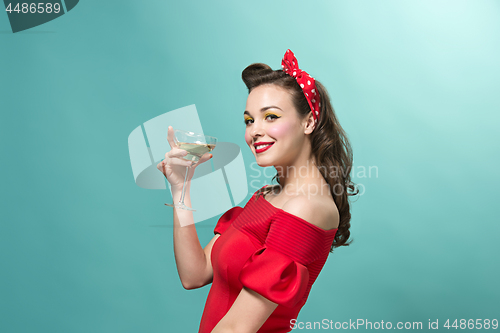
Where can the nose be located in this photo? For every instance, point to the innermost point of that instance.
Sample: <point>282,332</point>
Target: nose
<point>257,130</point>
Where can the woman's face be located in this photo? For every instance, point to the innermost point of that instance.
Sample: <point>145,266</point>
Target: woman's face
<point>274,131</point>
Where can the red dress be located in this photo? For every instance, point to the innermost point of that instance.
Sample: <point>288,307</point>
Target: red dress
<point>270,251</point>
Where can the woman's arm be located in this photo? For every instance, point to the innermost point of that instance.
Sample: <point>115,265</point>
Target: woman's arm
<point>248,313</point>
<point>193,262</point>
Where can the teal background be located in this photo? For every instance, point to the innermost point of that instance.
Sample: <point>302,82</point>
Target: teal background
<point>414,84</point>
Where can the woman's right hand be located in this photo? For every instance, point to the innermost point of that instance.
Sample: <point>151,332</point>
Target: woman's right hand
<point>174,165</point>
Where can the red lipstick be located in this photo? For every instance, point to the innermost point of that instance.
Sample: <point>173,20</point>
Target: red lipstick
<point>264,146</point>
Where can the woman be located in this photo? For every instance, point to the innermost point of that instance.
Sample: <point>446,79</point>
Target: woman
<point>265,257</point>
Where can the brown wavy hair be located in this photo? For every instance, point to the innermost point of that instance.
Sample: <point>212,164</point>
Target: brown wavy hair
<point>329,144</point>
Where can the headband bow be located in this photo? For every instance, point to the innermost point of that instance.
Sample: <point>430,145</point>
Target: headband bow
<point>305,81</point>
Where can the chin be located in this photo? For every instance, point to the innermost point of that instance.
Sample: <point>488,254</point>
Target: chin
<point>263,165</point>
<point>260,161</point>
<point>264,162</point>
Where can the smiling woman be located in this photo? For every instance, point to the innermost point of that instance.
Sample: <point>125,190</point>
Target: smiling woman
<point>276,124</point>
<point>304,134</point>
<point>265,257</point>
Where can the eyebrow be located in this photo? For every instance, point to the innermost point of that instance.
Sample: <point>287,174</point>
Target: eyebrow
<point>264,109</point>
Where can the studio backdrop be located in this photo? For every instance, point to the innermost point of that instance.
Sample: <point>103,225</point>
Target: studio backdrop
<point>88,89</point>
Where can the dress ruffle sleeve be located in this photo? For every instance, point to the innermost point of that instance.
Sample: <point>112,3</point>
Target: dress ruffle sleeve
<point>275,276</point>
<point>278,270</point>
<point>226,219</point>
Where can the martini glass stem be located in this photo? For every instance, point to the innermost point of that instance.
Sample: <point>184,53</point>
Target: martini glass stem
<point>184,187</point>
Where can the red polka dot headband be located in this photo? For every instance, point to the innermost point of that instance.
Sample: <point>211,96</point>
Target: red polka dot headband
<point>305,81</point>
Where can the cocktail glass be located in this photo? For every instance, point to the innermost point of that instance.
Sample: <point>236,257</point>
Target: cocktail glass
<point>196,145</point>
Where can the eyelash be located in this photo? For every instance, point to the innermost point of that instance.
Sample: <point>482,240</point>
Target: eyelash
<point>267,115</point>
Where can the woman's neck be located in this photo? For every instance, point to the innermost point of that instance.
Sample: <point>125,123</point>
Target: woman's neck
<point>301,178</point>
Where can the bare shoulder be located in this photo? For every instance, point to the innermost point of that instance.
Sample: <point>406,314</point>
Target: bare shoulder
<point>320,211</point>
